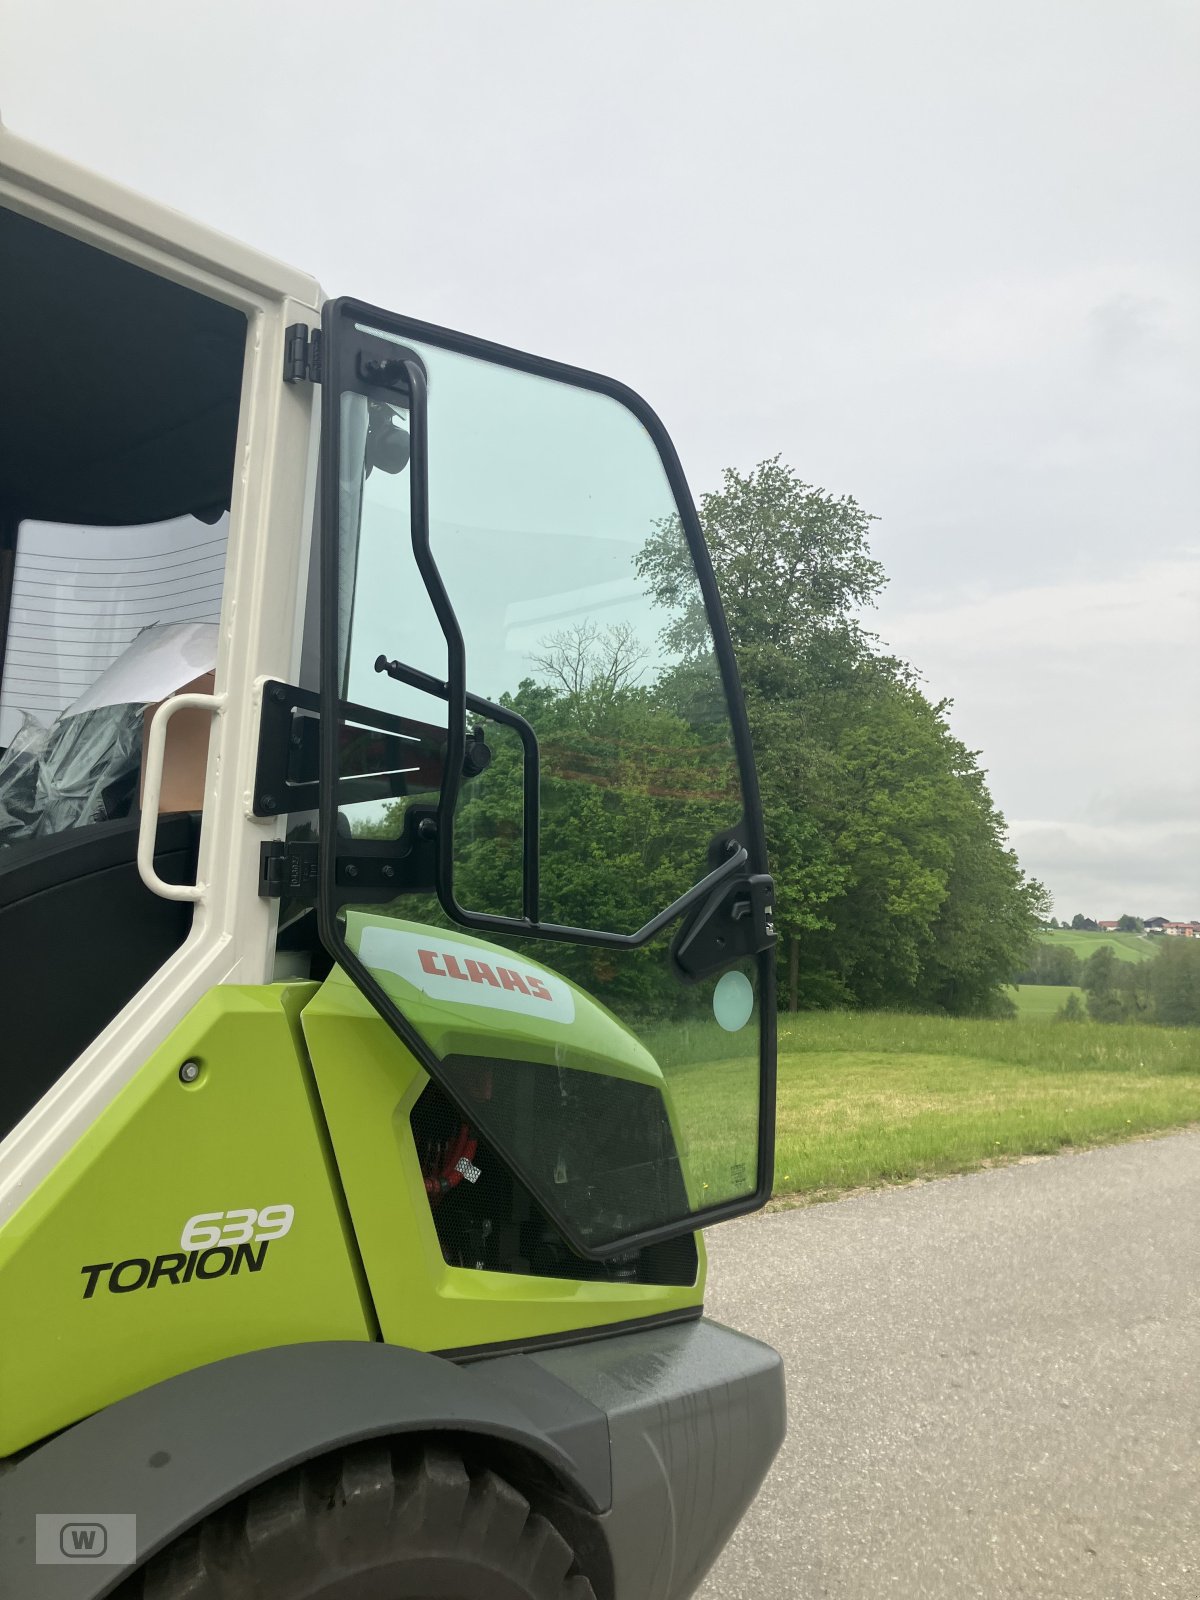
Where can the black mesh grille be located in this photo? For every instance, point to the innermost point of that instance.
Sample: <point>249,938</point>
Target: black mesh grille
<point>596,1148</point>
<point>487,1219</point>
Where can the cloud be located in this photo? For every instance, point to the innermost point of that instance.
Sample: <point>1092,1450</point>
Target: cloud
<point>1148,869</point>
<point>942,257</point>
<point>1149,612</point>
<point>1130,802</point>
<point>1111,312</point>
<point>1125,326</point>
<point>1080,696</point>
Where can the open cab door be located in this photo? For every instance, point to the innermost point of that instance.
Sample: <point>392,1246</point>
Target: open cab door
<point>559,897</point>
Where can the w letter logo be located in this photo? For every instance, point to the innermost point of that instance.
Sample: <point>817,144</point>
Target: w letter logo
<point>86,1541</point>
<point>106,1540</point>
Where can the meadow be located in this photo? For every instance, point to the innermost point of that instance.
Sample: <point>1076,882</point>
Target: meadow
<point>1043,1000</point>
<point>868,1098</point>
<point>1125,946</point>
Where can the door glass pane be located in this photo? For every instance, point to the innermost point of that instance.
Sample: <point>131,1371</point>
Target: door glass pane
<point>555,530</point>
<point>627,1098</point>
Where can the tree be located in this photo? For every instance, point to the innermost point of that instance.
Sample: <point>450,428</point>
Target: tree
<point>1100,970</point>
<point>935,912</point>
<point>586,659</point>
<point>1051,964</point>
<point>895,885</point>
<point>1175,983</point>
<point>1117,991</point>
<point>894,882</point>
<point>1129,924</point>
<point>792,562</point>
<point>1107,1007</point>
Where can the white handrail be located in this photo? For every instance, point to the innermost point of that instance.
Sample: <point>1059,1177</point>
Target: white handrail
<point>156,746</point>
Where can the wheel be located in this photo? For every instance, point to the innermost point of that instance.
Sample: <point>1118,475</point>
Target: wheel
<point>373,1523</point>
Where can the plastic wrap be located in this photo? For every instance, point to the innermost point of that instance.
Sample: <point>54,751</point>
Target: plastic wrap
<point>81,769</point>
<point>19,768</point>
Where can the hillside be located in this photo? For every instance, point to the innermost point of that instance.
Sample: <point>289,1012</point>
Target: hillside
<point>1125,946</point>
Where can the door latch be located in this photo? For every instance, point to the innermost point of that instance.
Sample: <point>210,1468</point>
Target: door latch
<point>737,920</point>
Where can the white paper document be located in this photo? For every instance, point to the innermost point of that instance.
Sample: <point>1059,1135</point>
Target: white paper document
<point>82,596</point>
<point>160,660</point>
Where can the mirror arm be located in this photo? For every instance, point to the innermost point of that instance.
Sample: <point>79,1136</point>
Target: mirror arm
<point>439,598</point>
<point>531,798</point>
<point>735,860</point>
<point>524,928</point>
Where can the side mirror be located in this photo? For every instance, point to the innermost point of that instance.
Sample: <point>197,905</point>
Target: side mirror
<point>389,444</point>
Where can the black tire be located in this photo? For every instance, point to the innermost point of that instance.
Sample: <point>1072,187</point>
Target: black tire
<point>379,1522</point>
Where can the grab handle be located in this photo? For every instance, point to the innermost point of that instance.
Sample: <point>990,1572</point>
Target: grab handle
<point>156,748</point>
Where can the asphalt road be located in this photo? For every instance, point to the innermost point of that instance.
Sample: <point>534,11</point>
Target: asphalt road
<point>994,1385</point>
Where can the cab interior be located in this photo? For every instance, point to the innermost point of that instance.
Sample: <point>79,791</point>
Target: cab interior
<point>119,411</point>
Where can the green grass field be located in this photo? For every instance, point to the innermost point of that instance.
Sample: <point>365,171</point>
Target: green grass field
<point>1043,999</point>
<point>1125,946</point>
<point>872,1098</point>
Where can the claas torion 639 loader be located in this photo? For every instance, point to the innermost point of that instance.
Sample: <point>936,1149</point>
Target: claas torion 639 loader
<point>387,946</point>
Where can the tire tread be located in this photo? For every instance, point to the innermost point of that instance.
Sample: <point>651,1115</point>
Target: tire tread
<point>375,1503</point>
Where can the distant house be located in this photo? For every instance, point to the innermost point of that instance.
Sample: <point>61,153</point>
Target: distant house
<point>1160,925</point>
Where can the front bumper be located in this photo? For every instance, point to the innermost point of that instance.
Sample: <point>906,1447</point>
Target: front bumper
<point>696,1414</point>
<point>665,1435</point>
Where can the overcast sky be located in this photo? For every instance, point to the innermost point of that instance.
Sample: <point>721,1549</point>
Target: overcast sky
<point>943,256</point>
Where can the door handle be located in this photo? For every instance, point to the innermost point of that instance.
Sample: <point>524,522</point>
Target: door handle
<point>156,747</point>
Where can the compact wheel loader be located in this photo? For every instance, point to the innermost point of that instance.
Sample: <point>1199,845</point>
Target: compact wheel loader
<point>387,948</point>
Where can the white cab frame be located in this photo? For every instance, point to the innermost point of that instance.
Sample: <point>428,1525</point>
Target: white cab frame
<point>232,938</point>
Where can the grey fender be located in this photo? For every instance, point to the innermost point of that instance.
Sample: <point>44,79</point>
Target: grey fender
<point>173,1453</point>
<point>696,1415</point>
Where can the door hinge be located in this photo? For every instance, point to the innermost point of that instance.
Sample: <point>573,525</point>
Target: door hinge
<point>302,354</point>
<point>288,869</point>
<point>375,870</point>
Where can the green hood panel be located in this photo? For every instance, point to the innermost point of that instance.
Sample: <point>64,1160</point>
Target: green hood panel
<point>369,1084</point>
<point>469,997</point>
<point>560,1088</point>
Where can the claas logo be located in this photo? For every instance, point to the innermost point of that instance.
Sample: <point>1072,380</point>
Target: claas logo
<point>441,964</point>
